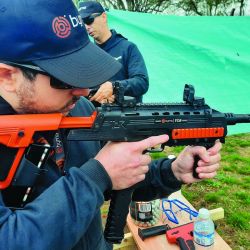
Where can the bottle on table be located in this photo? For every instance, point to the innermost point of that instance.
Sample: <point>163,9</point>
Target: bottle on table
<point>203,230</point>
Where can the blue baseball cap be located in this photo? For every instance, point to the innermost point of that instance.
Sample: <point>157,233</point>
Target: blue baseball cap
<point>51,35</point>
<point>88,8</point>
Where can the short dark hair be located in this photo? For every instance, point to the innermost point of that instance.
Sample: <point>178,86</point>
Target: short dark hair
<point>29,73</point>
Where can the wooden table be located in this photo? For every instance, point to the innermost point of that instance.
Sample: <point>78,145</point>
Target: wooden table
<point>160,242</point>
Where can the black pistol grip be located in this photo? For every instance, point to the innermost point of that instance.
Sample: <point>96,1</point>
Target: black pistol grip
<point>195,174</point>
<point>117,215</point>
<point>196,159</point>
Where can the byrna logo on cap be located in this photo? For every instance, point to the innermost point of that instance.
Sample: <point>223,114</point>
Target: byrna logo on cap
<point>62,27</point>
<point>55,40</point>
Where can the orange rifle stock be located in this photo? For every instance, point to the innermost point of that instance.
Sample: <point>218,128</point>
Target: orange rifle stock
<point>17,132</point>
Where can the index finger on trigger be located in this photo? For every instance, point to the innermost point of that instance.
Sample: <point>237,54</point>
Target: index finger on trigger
<point>152,141</point>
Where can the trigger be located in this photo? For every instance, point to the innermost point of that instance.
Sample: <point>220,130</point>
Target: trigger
<point>154,150</point>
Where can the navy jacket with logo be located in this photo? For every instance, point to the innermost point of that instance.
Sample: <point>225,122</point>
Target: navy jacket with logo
<point>64,211</point>
<point>133,75</point>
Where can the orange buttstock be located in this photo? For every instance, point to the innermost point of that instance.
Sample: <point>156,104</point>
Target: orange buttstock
<point>17,132</point>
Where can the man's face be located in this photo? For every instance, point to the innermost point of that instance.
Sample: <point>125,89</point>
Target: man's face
<point>37,96</point>
<point>98,26</point>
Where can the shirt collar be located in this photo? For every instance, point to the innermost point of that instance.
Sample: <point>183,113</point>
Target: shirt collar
<point>5,107</point>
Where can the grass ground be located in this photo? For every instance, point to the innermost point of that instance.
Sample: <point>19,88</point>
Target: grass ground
<point>230,190</point>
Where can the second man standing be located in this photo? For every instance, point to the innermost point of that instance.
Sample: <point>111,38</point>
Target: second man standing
<point>133,76</point>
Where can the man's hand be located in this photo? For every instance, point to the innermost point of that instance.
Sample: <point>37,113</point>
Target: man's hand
<point>104,93</point>
<point>125,162</point>
<point>207,165</point>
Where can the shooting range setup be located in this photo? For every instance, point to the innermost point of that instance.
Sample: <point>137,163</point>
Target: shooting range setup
<point>212,54</point>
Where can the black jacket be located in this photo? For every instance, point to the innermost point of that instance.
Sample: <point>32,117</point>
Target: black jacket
<point>133,75</point>
<point>64,210</point>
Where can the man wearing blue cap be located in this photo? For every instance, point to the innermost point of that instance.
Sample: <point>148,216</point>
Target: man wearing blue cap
<point>46,64</point>
<point>133,75</point>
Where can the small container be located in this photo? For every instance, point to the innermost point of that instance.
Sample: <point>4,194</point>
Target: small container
<point>204,229</point>
<point>145,213</point>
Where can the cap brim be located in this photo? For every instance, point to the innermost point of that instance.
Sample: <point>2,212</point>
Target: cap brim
<point>85,68</point>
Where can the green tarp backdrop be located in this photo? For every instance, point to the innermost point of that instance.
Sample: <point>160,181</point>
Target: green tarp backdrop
<point>211,53</point>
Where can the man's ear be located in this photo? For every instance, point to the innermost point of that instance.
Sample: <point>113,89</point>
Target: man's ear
<point>104,16</point>
<point>8,77</point>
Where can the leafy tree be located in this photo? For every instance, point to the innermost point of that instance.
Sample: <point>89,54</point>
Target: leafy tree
<point>179,7</point>
<point>211,7</point>
<point>149,6</point>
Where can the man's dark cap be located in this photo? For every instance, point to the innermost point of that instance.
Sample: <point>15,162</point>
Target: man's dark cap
<point>51,35</point>
<point>90,7</point>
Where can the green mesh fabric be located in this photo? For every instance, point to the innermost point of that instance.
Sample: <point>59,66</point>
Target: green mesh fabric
<point>211,53</point>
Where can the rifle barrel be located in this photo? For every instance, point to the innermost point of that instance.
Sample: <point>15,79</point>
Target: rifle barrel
<point>232,119</point>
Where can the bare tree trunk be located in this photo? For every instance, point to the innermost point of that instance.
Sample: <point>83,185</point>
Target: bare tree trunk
<point>232,12</point>
<point>242,5</point>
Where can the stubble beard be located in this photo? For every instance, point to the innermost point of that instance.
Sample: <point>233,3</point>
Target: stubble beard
<point>27,103</point>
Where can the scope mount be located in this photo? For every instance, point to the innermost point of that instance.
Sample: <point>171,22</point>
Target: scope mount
<point>120,99</point>
<point>128,101</point>
<point>190,98</point>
